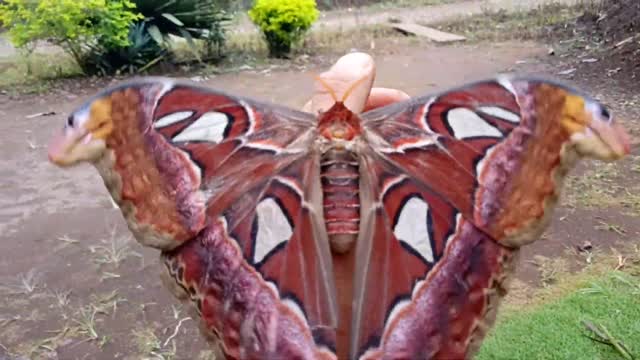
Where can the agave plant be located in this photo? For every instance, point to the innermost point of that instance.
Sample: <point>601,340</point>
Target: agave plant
<point>190,19</point>
<point>141,53</point>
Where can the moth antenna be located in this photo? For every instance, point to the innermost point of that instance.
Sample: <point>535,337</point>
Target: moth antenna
<point>327,87</point>
<point>346,94</point>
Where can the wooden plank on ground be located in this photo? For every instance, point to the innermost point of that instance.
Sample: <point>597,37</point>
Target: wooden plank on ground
<point>427,32</point>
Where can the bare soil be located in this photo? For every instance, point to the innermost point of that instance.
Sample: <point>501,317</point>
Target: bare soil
<point>609,32</point>
<point>59,231</point>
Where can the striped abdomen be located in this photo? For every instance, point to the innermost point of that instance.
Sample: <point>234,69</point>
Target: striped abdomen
<point>341,201</point>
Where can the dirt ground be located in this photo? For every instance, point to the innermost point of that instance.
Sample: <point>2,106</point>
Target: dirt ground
<point>73,285</point>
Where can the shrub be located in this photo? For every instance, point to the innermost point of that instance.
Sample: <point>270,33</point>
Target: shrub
<point>112,36</point>
<point>141,53</point>
<point>283,22</point>
<point>79,27</point>
<point>190,19</point>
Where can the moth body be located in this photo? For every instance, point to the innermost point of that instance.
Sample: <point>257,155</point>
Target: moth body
<point>245,200</point>
<point>340,176</point>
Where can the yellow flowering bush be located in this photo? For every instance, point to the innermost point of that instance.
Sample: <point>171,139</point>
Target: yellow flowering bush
<point>283,22</point>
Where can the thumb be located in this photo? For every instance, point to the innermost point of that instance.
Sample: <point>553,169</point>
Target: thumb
<point>348,70</point>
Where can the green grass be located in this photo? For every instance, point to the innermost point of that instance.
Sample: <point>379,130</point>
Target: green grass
<point>249,50</point>
<point>30,74</point>
<point>500,25</point>
<point>554,330</point>
<point>394,4</point>
<point>606,186</point>
<point>34,74</point>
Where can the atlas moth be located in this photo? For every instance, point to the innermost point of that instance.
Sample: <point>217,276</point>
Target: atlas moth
<point>252,205</point>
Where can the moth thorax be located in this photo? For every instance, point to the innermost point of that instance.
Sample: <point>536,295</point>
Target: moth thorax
<point>339,123</point>
<point>341,201</point>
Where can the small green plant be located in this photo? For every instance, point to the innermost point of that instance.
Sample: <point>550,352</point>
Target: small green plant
<point>141,53</point>
<point>283,22</point>
<point>189,19</point>
<point>76,26</point>
<point>114,251</point>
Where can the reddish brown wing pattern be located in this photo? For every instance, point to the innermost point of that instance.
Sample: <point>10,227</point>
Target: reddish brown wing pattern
<point>405,230</point>
<point>231,191</point>
<point>426,272</point>
<point>264,297</point>
<point>196,119</point>
<point>260,271</point>
<point>443,140</point>
<point>282,237</point>
<point>448,311</point>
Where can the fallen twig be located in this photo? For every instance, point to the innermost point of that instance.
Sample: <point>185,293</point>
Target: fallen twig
<point>47,113</point>
<point>626,41</point>
<point>175,331</point>
<point>622,261</point>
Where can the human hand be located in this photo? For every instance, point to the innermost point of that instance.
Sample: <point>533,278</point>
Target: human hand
<point>348,70</point>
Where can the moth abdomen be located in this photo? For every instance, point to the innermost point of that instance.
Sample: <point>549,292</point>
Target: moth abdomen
<point>341,201</point>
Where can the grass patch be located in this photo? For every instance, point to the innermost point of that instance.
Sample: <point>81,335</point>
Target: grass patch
<point>251,49</point>
<point>113,251</point>
<point>550,268</point>
<point>549,323</point>
<point>501,25</point>
<point>31,74</point>
<point>24,284</point>
<point>595,188</point>
<point>248,50</point>
<point>338,41</point>
<point>151,347</point>
<point>394,4</point>
<point>35,74</point>
<point>607,185</point>
<point>556,331</point>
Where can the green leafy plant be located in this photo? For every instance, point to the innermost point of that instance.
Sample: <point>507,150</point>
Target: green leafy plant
<point>141,53</point>
<point>283,22</point>
<point>189,19</point>
<point>79,27</point>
